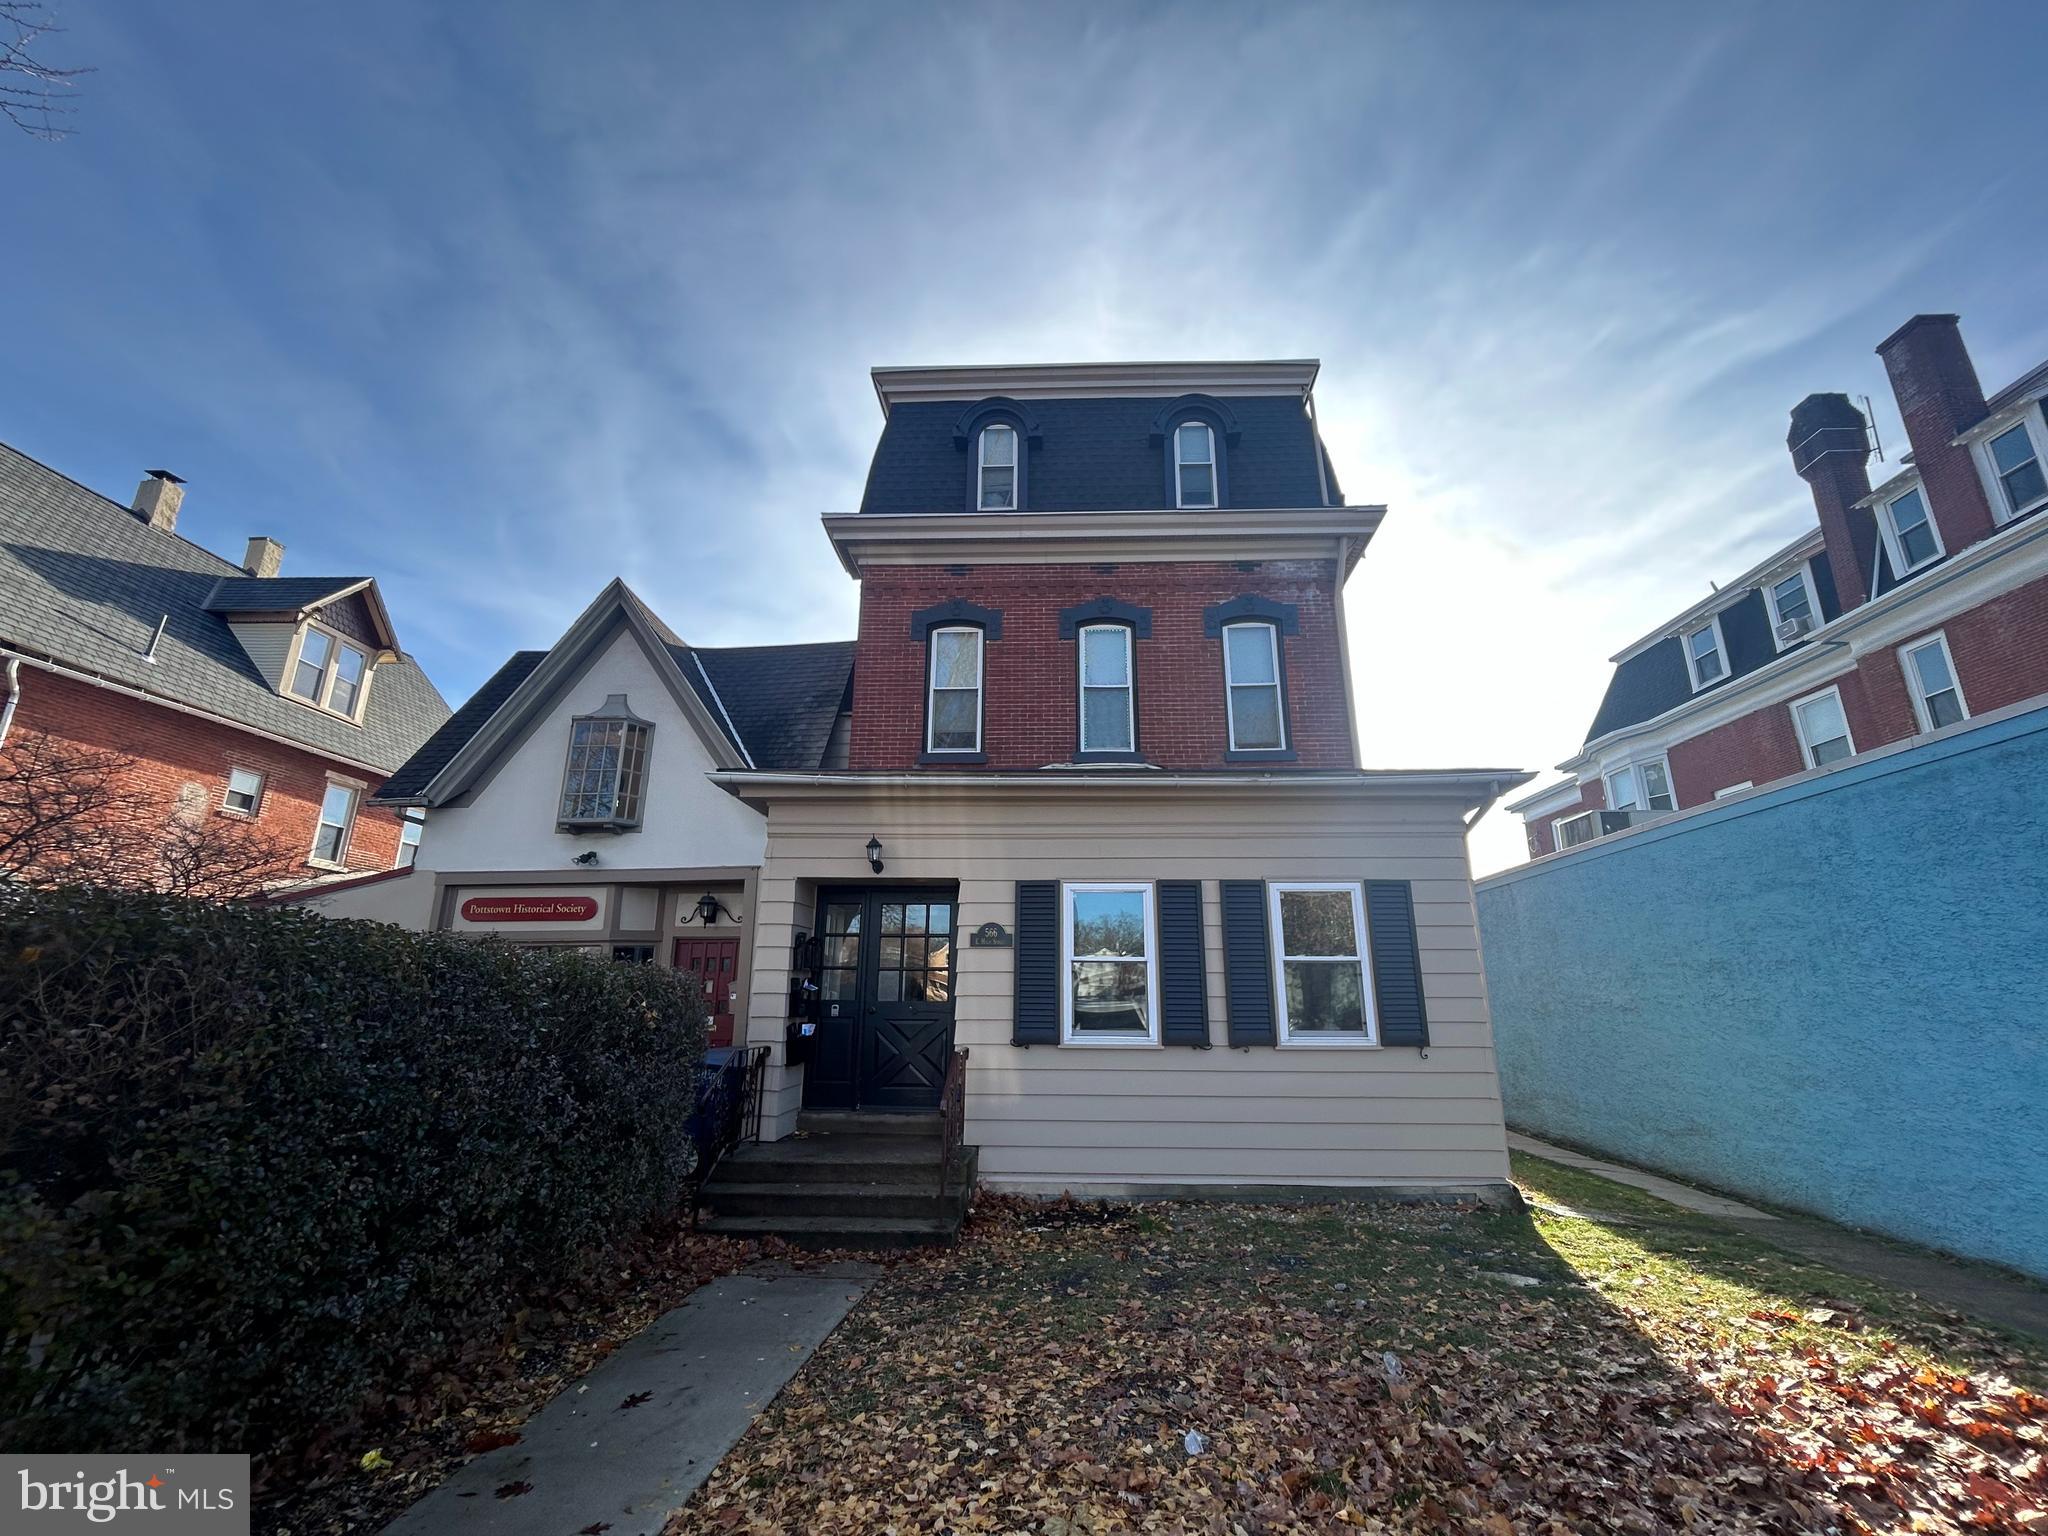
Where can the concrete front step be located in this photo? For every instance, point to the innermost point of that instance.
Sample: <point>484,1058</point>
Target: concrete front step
<point>869,1122</point>
<point>839,1231</point>
<point>911,1202</point>
<point>834,1159</point>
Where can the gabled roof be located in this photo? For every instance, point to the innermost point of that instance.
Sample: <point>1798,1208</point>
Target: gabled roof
<point>754,706</point>
<point>84,583</point>
<point>298,597</point>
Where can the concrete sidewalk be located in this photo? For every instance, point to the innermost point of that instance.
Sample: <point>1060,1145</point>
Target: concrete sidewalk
<point>1975,1290</point>
<point>627,1445</point>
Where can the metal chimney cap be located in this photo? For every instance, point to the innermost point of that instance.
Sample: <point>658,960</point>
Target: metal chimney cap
<point>164,474</point>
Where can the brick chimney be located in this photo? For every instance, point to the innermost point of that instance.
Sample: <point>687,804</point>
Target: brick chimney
<point>1936,386</point>
<point>1829,450</point>
<point>264,557</point>
<point>157,499</point>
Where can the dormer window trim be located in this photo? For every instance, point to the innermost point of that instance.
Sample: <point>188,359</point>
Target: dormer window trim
<point>1017,431</point>
<point>2007,503</point>
<point>329,675</point>
<point>1197,468</point>
<point>998,467</point>
<point>1895,540</point>
<point>1769,587</point>
<point>1693,659</point>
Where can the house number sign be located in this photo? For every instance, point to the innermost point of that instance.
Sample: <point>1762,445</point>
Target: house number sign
<point>529,909</point>
<point>989,936</point>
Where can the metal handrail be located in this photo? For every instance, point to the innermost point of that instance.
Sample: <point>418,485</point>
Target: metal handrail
<point>953,1118</point>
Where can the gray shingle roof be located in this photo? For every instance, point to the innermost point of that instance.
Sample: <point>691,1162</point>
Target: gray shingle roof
<point>783,698</point>
<point>275,594</point>
<point>418,771</point>
<point>84,581</point>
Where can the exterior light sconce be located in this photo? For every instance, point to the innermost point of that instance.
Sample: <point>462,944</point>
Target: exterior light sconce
<point>586,858</point>
<point>708,909</point>
<point>875,854</point>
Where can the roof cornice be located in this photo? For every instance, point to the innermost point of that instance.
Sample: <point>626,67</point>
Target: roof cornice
<point>1808,544</point>
<point>1066,381</point>
<point>1011,538</point>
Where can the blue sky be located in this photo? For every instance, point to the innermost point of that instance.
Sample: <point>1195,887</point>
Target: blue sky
<point>497,302</point>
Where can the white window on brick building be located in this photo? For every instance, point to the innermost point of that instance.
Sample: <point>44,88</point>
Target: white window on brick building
<point>1823,729</point>
<point>1931,679</point>
<point>244,793</point>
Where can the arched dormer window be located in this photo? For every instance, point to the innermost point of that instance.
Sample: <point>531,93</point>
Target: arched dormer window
<point>995,483</point>
<point>998,436</point>
<point>1196,433</point>
<point>1194,464</point>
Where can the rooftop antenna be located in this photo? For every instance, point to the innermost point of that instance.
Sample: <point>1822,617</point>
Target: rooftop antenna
<point>1870,426</point>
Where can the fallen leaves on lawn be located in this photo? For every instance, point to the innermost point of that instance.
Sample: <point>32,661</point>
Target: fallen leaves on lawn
<point>1233,1371</point>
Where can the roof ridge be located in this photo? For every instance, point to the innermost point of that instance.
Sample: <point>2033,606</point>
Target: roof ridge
<point>128,512</point>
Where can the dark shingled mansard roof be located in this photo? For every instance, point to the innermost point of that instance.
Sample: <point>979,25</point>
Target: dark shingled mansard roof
<point>1096,455</point>
<point>84,581</point>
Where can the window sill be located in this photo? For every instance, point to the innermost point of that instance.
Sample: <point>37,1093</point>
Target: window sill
<point>1133,758</point>
<point>940,759</point>
<point>234,815</point>
<point>1261,755</point>
<point>585,828</point>
<point>328,865</point>
<point>1360,1044</point>
<point>1132,1043</point>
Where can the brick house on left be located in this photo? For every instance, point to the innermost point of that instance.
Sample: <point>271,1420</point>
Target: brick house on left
<point>227,691</point>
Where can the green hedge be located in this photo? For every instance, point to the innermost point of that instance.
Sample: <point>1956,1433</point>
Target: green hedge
<point>260,1166</point>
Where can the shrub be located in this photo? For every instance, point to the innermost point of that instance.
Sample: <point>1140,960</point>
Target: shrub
<point>259,1164</point>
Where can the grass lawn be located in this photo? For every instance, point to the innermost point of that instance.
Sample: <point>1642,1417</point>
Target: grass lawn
<point>1222,1369</point>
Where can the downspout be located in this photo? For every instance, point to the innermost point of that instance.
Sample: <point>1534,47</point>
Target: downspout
<point>13,697</point>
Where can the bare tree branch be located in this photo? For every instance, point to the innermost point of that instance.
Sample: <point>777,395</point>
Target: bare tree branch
<point>32,93</point>
<point>67,815</point>
<point>220,858</point>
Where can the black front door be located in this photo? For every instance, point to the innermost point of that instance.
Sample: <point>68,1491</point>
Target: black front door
<point>885,986</point>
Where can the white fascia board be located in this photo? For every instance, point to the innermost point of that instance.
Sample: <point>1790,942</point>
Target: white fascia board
<point>1807,545</point>
<point>1553,798</point>
<point>1470,786</point>
<point>1050,381</point>
<point>936,538</point>
<point>1904,481</point>
<point>2010,558</point>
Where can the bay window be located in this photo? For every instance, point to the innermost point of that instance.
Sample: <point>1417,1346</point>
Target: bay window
<point>604,779</point>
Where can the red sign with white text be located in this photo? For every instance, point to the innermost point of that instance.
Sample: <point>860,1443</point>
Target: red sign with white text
<point>529,909</point>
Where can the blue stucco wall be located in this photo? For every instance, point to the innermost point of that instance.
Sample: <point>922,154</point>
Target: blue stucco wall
<point>1832,995</point>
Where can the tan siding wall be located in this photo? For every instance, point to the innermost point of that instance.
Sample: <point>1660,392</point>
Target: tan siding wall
<point>1051,1117</point>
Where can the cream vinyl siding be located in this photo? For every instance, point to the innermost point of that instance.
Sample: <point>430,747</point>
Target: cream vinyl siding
<point>269,646</point>
<point>1051,1117</point>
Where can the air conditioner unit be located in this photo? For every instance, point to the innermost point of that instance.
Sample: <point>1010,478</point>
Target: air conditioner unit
<point>1792,629</point>
<point>1615,821</point>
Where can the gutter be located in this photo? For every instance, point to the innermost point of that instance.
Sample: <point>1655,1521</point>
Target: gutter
<point>95,680</point>
<point>13,697</point>
<point>1482,786</point>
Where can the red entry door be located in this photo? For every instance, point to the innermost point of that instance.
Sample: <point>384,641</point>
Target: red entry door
<point>714,961</point>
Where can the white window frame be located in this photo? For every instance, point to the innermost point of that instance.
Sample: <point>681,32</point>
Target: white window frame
<point>1318,1040</point>
<point>982,467</point>
<point>329,671</point>
<point>1692,670</point>
<point>1151,1037</point>
<point>1130,685</point>
<point>1987,466</point>
<point>415,826</point>
<point>348,826</point>
<point>1799,723</point>
<point>931,689</point>
<point>1804,572</point>
<point>1278,685</point>
<point>1558,823</point>
<point>1888,530</point>
<point>1936,641</point>
<point>255,807</point>
<point>1215,479</point>
<point>1636,766</point>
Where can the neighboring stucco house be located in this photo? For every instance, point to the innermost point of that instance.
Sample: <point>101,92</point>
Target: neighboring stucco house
<point>1083,800</point>
<point>247,708</point>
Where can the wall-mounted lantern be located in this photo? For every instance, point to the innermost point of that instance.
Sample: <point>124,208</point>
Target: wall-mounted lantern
<point>875,854</point>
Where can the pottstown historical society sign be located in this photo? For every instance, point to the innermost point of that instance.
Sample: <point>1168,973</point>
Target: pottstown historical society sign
<point>529,909</point>
<point>139,1495</point>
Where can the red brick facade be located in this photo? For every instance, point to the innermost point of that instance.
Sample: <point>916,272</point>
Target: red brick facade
<point>1031,687</point>
<point>173,750</point>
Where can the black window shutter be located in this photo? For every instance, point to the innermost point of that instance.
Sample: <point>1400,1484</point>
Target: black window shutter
<point>1396,962</point>
<point>1183,982</point>
<point>1247,963</point>
<point>1038,964</point>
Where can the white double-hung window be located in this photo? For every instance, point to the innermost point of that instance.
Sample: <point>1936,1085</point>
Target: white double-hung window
<point>1910,536</point>
<point>1823,729</point>
<point>1110,945</point>
<point>953,710</point>
<point>1321,987</point>
<point>1642,786</point>
<point>996,483</point>
<point>337,821</point>
<point>1706,658</point>
<point>329,673</point>
<point>1194,465</point>
<point>2016,456</point>
<point>1931,679</point>
<point>1251,678</point>
<point>1109,714</point>
<point>1795,612</point>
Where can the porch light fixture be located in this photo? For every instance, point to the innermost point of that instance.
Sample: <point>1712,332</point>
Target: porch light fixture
<point>875,854</point>
<point>708,908</point>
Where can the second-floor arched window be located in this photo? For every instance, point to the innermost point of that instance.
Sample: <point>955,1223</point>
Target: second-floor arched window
<point>995,486</point>
<point>1109,693</point>
<point>1194,464</point>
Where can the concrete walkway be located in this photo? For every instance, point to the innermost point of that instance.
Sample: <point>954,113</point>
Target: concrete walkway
<point>1974,1290</point>
<point>625,1447</point>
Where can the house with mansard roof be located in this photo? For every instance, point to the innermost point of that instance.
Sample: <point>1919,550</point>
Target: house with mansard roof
<point>1065,873</point>
<point>1908,609</point>
<point>238,699</point>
